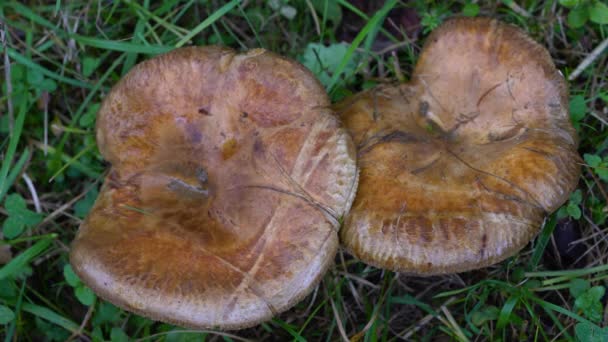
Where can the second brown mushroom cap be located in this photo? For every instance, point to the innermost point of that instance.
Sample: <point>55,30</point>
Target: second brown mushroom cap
<point>460,166</point>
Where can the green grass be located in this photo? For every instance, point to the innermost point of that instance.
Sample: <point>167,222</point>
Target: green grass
<point>62,57</point>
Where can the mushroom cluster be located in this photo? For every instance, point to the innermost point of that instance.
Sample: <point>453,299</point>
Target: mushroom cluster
<point>230,173</point>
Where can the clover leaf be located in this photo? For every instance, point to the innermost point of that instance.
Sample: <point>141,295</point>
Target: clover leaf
<point>19,217</point>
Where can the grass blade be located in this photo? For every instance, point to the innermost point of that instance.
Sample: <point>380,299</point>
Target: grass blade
<point>371,28</point>
<point>51,316</point>
<point>12,148</point>
<point>542,242</point>
<point>121,46</point>
<point>15,265</point>
<point>210,20</point>
<point>29,64</point>
<point>505,313</point>
<point>15,171</point>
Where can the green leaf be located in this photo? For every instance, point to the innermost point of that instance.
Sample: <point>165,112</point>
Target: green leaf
<point>17,73</point>
<point>592,159</point>
<point>330,8</point>
<point>562,213</point>
<point>597,292</point>
<point>106,313</point>
<point>15,206</point>
<point>598,12</point>
<point>470,10</point>
<point>602,171</point>
<point>569,3</point>
<point>487,313</point>
<point>518,274</point>
<point>98,334</point>
<point>47,85</point>
<point>578,287</point>
<point>88,118</point>
<point>323,60</point>
<point>14,203</point>
<point>70,277</point>
<point>574,211</point>
<point>7,289</point>
<point>51,331</point>
<point>578,108</point>
<point>85,295</point>
<point>34,77</point>
<point>117,335</point>
<point>578,17</point>
<point>6,314</point>
<point>82,207</point>
<point>89,64</point>
<point>576,197</point>
<point>12,227</point>
<point>19,217</point>
<point>589,303</point>
<point>587,332</point>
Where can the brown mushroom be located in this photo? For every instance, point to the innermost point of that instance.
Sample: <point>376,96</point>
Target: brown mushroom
<point>460,166</point>
<point>229,177</point>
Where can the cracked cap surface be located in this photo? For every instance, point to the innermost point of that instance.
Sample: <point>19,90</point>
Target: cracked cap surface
<point>229,176</point>
<point>460,166</point>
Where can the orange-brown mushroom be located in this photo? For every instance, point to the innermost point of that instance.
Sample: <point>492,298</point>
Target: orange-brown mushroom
<point>460,166</point>
<point>229,177</point>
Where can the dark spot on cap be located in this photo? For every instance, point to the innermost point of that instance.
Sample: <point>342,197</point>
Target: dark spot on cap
<point>258,146</point>
<point>244,115</point>
<point>484,243</point>
<point>204,111</point>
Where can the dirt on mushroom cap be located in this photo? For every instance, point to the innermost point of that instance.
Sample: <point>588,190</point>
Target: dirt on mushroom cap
<point>229,177</point>
<point>460,166</point>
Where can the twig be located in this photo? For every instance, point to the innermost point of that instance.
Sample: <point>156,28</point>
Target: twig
<point>336,315</point>
<point>597,116</point>
<point>588,60</point>
<point>424,321</point>
<point>67,205</point>
<point>85,320</point>
<point>517,9</point>
<point>315,18</point>
<point>453,324</point>
<point>32,188</point>
<point>378,306</point>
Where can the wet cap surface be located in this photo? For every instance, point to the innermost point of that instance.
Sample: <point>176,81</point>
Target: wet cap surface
<point>460,166</point>
<point>229,177</point>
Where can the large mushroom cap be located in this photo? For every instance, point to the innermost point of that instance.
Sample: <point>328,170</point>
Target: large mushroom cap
<point>229,177</point>
<point>460,166</point>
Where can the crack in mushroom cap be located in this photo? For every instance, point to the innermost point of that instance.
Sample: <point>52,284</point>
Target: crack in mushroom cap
<point>460,166</point>
<point>229,177</point>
